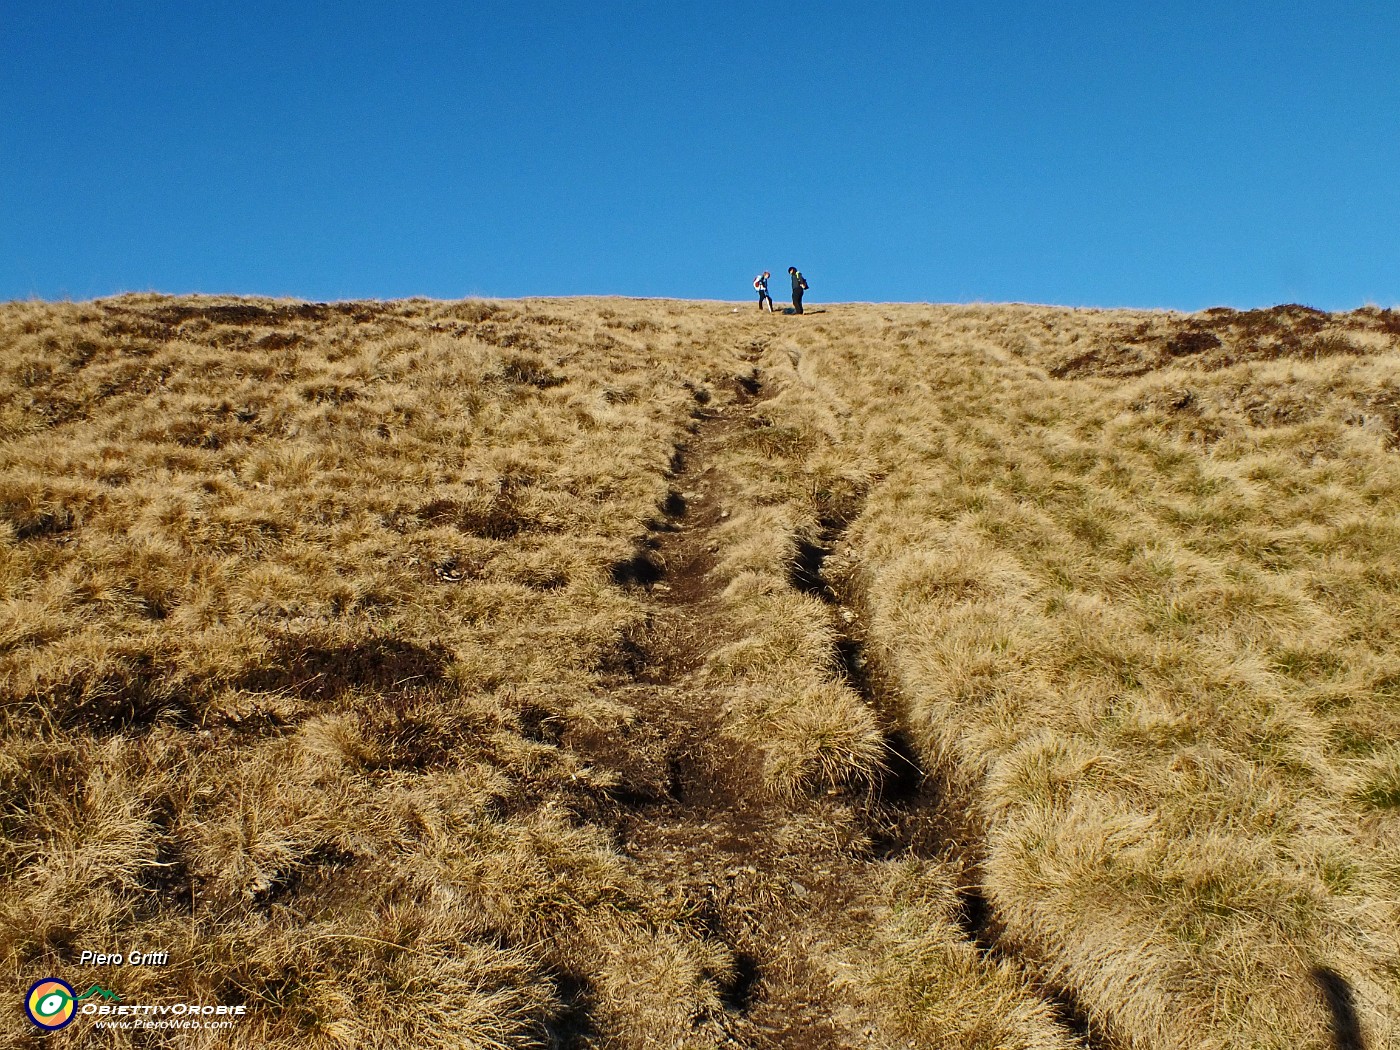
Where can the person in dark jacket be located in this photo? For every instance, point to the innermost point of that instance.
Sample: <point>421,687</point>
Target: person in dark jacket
<point>760,285</point>
<point>799,285</point>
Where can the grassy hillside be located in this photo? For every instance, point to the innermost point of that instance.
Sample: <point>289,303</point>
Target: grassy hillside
<point>1132,578</point>
<point>642,674</point>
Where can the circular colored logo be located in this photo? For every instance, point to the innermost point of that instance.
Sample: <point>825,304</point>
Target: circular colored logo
<point>50,1004</point>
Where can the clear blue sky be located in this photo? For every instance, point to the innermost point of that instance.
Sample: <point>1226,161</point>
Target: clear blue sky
<point>1171,153</point>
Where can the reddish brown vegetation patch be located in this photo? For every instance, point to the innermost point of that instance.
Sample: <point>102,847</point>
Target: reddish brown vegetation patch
<point>1220,337</point>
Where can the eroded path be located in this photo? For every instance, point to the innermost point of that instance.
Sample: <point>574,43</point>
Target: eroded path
<point>790,886</point>
<point>776,884</point>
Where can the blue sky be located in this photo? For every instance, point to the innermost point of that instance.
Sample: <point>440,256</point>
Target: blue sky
<point>1174,153</point>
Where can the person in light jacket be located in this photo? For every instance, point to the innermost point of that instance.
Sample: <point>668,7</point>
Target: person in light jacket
<point>760,285</point>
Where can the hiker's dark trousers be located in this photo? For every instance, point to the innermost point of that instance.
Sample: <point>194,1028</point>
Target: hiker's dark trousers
<point>797,300</point>
<point>761,297</point>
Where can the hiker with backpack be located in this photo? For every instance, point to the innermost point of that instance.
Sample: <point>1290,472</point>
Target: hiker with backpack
<point>760,285</point>
<point>799,285</point>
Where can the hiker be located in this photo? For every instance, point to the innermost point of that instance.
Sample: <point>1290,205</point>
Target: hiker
<point>799,285</point>
<point>760,285</point>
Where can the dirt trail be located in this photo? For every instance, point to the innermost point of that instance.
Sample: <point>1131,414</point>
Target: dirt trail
<point>786,886</point>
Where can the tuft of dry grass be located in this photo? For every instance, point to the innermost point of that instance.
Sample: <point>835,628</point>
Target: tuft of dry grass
<point>934,987</point>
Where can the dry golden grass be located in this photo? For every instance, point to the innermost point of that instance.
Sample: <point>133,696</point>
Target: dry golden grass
<point>935,988</point>
<point>1135,578</point>
<point>297,601</point>
<point>301,605</point>
<point>786,690</point>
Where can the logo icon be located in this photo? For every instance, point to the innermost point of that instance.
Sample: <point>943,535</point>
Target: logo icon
<point>51,1004</point>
